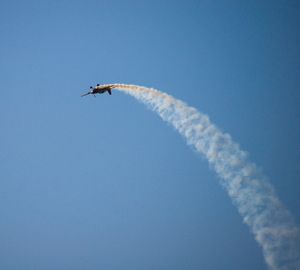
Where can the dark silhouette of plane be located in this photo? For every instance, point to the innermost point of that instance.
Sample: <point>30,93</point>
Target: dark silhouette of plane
<point>98,89</point>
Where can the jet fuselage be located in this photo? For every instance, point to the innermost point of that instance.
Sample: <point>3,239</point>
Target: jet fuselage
<point>99,90</point>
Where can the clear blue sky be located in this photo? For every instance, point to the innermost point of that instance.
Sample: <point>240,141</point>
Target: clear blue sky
<point>103,183</point>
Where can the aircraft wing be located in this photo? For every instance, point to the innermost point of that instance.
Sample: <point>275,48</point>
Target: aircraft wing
<point>88,93</point>
<point>109,91</point>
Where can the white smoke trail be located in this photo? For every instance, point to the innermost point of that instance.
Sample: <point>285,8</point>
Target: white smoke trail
<point>251,193</point>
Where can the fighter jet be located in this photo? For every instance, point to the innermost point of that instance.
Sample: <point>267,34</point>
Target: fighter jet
<point>99,89</point>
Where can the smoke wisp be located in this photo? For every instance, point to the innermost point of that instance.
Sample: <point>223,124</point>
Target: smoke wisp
<point>270,222</point>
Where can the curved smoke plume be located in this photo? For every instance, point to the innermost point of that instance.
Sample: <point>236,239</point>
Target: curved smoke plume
<point>254,197</point>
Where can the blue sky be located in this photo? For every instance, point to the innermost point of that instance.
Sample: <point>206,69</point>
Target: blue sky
<point>103,183</point>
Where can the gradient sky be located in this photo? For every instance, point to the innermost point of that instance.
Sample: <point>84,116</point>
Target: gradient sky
<point>103,183</point>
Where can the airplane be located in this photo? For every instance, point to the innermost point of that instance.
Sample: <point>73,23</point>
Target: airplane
<point>98,89</point>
